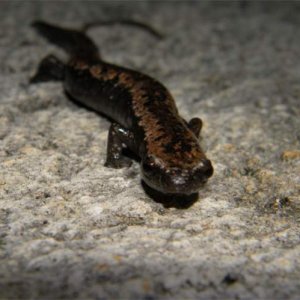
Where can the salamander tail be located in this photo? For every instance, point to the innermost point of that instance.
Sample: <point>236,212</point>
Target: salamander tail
<point>74,42</point>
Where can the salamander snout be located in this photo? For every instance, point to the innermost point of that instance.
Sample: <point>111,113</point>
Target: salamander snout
<point>176,180</point>
<point>203,171</point>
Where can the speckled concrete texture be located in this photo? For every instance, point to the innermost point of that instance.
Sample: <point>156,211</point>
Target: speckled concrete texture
<point>71,228</point>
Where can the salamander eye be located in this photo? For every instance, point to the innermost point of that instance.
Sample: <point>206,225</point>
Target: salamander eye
<point>148,164</point>
<point>147,167</point>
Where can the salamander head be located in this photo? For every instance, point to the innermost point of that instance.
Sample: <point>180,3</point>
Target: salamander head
<point>175,180</point>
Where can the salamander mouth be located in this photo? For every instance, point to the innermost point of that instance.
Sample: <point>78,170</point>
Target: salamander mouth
<point>177,181</point>
<point>178,189</point>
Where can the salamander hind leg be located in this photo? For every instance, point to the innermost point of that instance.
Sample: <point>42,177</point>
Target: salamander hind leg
<point>74,42</point>
<point>50,69</point>
<point>118,139</point>
<point>195,124</point>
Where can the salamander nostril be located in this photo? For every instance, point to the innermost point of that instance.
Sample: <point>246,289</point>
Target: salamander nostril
<point>208,168</point>
<point>204,171</point>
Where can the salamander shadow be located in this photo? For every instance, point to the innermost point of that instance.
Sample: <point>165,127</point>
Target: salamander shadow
<point>168,200</point>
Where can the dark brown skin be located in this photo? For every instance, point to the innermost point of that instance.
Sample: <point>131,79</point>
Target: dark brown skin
<point>145,116</point>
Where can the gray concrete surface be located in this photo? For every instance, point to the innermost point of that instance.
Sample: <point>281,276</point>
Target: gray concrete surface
<point>71,228</point>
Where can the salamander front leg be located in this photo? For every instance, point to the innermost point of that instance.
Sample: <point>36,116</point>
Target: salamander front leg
<point>195,124</point>
<point>118,139</point>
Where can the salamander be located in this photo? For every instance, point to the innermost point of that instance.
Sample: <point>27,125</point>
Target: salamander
<point>144,115</point>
